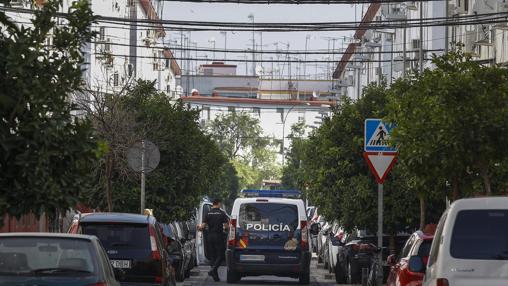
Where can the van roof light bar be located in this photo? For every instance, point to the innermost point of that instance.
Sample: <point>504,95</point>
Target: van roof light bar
<point>289,194</point>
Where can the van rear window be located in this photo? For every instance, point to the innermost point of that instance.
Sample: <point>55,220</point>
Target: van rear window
<point>121,240</point>
<point>268,217</point>
<point>480,234</point>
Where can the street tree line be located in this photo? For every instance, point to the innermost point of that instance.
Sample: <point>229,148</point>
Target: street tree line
<point>62,144</point>
<point>451,134</point>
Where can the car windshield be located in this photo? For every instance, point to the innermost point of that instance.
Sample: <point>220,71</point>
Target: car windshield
<point>121,240</point>
<point>480,234</point>
<point>42,256</point>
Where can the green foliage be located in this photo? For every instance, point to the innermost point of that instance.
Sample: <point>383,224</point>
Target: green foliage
<point>452,124</point>
<point>191,165</point>
<point>240,137</point>
<point>45,150</point>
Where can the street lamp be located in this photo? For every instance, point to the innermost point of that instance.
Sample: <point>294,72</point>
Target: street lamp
<point>251,17</point>
<point>284,130</point>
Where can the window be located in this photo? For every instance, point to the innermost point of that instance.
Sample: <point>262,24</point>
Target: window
<point>22,255</point>
<point>168,89</point>
<point>256,111</point>
<point>116,79</point>
<point>424,249</point>
<point>102,33</point>
<point>407,247</point>
<point>127,240</point>
<point>438,239</point>
<point>480,234</point>
<point>263,217</point>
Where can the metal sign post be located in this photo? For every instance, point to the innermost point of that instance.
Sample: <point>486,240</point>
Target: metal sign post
<point>143,157</point>
<point>381,158</point>
<point>142,175</point>
<point>379,278</point>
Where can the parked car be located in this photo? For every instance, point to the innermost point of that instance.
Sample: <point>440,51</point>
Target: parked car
<point>192,230</point>
<point>333,243</point>
<point>133,243</point>
<point>418,244</point>
<point>358,249</point>
<point>470,246</point>
<point>322,247</point>
<point>187,247</point>
<point>53,259</point>
<point>175,250</point>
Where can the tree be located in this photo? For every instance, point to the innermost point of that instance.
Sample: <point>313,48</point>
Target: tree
<point>241,139</point>
<point>45,149</point>
<point>452,124</point>
<point>191,166</point>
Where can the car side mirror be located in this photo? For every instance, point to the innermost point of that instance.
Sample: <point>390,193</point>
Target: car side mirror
<point>119,274</point>
<point>390,260</point>
<point>416,264</point>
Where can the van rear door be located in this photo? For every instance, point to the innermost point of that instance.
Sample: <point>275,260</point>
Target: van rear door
<point>268,233</point>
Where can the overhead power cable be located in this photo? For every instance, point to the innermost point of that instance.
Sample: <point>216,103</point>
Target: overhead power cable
<point>250,60</point>
<point>486,18</point>
<point>293,2</point>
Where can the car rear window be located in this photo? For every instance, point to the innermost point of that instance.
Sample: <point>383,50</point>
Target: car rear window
<point>424,249</point>
<point>480,234</point>
<point>268,217</point>
<point>121,240</point>
<point>39,256</point>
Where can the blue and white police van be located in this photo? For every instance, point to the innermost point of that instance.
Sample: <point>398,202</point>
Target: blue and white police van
<point>268,235</point>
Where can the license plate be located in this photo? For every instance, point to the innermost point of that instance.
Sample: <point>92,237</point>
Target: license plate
<point>121,263</point>
<point>245,257</point>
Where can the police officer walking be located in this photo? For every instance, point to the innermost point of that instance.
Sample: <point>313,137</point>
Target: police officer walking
<point>217,222</point>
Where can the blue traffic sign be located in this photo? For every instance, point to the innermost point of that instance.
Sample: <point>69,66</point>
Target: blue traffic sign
<point>377,136</point>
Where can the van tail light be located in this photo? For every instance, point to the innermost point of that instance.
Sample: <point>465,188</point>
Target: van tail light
<point>156,254</point>
<point>158,280</point>
<point>305,234</point>
<point>442,282</point>
<point>99,284</point>
<point>232,233</point>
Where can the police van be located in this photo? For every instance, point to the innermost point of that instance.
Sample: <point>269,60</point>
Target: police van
<point>268,235</point>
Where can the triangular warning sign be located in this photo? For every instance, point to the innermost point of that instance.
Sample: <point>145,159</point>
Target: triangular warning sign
<point>380,136</point>
<point>380,164</point>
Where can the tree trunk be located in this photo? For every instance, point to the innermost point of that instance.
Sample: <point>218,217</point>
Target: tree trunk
<point>422,211</point>
<point>456,189</point>
<point>484,173</point>
<point>109,172</point>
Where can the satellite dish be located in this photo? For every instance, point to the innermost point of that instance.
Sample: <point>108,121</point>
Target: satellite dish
<point>151,156</point>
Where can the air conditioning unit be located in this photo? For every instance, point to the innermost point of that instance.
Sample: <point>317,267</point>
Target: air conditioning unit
<point>415,44</point>
<point>396,13</point>
<point>411,5</point>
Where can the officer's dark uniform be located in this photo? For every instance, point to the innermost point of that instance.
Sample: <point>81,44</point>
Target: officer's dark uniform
<point>216,236</point>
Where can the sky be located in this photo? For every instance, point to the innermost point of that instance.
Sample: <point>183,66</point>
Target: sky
<point>264,13</point>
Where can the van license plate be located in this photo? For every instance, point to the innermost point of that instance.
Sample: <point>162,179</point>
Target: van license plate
<point>245,257</point>
<point>121,263</point>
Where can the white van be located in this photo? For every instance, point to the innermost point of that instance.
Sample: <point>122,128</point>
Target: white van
<point>268,235</point>
<point>470,247</point>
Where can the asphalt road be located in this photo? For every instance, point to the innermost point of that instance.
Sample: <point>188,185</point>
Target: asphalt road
<point>319,277</point>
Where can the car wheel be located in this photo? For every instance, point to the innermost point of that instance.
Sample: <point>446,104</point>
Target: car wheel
<point>340,276</point>
<point>232,276</point>
<point>304,279</point>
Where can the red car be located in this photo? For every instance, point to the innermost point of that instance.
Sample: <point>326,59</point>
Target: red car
<point>418,244</point>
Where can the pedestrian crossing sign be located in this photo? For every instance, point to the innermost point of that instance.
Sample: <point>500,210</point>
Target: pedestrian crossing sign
<point>377,136</point>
